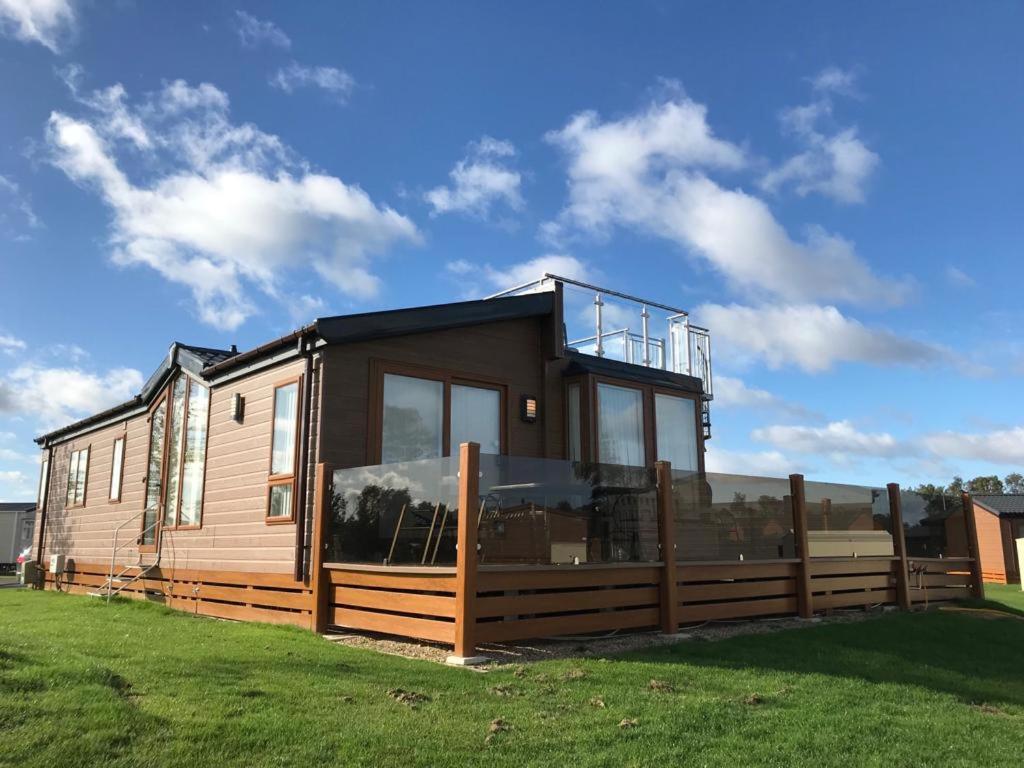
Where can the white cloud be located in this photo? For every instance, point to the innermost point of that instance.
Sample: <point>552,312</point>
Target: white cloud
<point>1003,446</point>
<point>731,392</point>
<point>231,206</point>
<point>459,267</point>
<point>253,32</point>
<point>838,438</point>
<point>58,396</point>
<point>11,344</point>
<point>812,337</point>
<point>336,82</point>
<point>480,180</point>
<point>46,22</point>
<point>13,199</point>
<point>959,278</point>
<point>648,172</point>
<point>759,463</point>
<point>837,165</point>
<point>16,485</point>
<point>527,271</point>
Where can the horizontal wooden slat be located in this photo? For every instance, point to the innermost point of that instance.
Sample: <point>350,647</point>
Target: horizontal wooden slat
<point>717,611</point>
<point>390,624</point>
<point>846,599</point>
<point>500,631</point>
<point>733,590</point>
<point>553,602</point>
<point>267,597</point>
<point>241,578</point>
<point>379,580</point>
<point>853,565</point>
<point>402,602</point>
<point>940,580</point>
<point>242,612</point>
<point>740,570</point>
<point>839,583</point>
<point>557,578</point>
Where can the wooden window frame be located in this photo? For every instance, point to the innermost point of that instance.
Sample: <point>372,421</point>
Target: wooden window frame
<point>284,478</point>
<point>584,416</point>
<point>162,401</point>
<point>181,455</point>
<point>380,368</point>
<point>85,481</point>
<point>120,478</point>
<point>590,416</point>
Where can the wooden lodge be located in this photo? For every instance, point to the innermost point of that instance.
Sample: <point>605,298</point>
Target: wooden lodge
<point>467,473</point>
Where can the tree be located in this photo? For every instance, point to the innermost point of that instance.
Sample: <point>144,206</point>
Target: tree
<point>1014,482</point>
<point>985,484</point>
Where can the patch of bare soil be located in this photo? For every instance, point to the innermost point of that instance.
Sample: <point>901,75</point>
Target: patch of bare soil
<point>502,654</point>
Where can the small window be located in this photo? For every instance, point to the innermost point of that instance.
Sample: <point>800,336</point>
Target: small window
<point>44,481</point>
<point>573,422</point>
<point>116,469</point>
<point>281,493</point>
<point>620,425</point>
<point>476,417</point>
<point>78,471</point>
<point>676,427</point>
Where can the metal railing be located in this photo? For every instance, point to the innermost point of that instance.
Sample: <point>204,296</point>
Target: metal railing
<point>684,348</point>
<point>122,577</point>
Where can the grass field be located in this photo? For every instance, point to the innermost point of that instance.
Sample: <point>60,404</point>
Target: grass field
<point>133,684</point>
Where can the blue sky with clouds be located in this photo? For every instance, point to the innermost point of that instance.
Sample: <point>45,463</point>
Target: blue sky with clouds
<point>833,189</point>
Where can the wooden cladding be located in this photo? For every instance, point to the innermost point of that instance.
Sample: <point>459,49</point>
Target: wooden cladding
<point>935,579</point>
<point>267,597</point>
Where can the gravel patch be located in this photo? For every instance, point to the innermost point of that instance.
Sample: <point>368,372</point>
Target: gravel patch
<point>503,654</point>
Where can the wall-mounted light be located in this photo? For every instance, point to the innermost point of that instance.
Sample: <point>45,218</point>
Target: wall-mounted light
<point>237,407</point>
<point>528,409</point>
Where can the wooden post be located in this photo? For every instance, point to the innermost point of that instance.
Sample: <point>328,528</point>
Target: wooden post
<point>466,558</point>
<point>899,546</point>
<point>322,496</point>
<point>972,545</point>
<point>669,596</point>
<point>805,600</point>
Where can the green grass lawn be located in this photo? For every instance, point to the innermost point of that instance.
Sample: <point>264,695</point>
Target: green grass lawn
<point>132,684</point>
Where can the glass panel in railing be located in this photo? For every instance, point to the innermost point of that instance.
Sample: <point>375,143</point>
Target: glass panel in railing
<point>544,511</point>
<point>847,520</point>
<point>933,524</point>
<point>732,517</point>
<point>395,514</point>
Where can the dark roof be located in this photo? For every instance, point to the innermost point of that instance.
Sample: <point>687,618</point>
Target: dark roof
<point>602,366</point>
<point>1002,504</point>
<point>17,506</point>
<point>205,356</point>
<point>437,317</point>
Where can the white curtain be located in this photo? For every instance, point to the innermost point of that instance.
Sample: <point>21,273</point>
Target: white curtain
<point>676,426</point>
<point>476,417</point>
<point>286,410</point>
<point>621,425</point>
<point>413,415</point>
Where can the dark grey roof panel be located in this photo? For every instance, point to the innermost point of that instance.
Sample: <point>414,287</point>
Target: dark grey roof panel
<point>438,317</point>
<point>603,366</point>
<point>17,506</point>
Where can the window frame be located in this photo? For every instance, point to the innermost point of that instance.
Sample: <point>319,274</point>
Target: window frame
<point>448,377</point>
<point>85,481</point>
<point>111,498</point>
<point>43,489</point>
<point>162,401</point>
<point>646,416</point>
<point>181,463</point>
<point>284,478</point>
<point>698,426</point>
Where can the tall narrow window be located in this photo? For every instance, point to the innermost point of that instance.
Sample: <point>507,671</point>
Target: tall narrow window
<point>620,425</point>
<point>44,481</point>
<point>194,457</point>
<point>476,417</point>
<point>174,439</point>
<point>154,473</point>
<point>78,471</point>
<point>413,419</point>
<point>572,422</point>
<point>116,469</point>
<point>281,493</point>
<point>676,426</point>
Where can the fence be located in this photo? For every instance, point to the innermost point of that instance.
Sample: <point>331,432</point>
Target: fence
<point>491,549</point>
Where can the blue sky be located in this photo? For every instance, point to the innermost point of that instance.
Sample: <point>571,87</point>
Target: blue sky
<point>834,189</point>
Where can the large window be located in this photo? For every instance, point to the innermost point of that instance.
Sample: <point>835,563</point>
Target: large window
<point>116,469</point>
<point>281,491</point>
<point>572,422</point>
<point>193,463</point>
<point>413,424</point>
<point>676,419</point>
<point>78,471</point>
<point>620,425</point>
<point>413,419</point>
<point>476,417</point>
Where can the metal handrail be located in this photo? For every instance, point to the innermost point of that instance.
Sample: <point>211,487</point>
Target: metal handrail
<point>116,547</point>
<point>578,283</point>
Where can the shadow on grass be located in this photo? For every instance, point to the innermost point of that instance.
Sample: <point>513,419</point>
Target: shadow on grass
<point>974,659</point>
